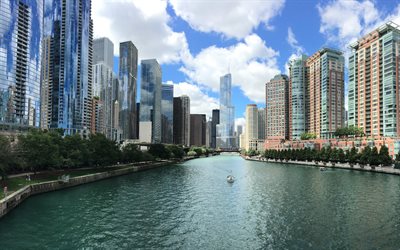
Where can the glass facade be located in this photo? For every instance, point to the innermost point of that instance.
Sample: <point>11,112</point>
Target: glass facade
<point>167,109</point>
<point>128,60</point>
<point>68,25</point>
<point>298,97</point>
<point>150,97</point>
<point>20,61</point>
<point>226,128</point>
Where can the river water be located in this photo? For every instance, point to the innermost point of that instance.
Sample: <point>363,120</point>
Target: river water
<point>191,206</point>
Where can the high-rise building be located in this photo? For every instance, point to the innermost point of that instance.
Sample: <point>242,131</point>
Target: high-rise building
<point>103,51</point>
<point>128,60</point>
<point>97,117</point>
<point>298,96</point>
<point>150,102</point>
<point>20,61</point>
<point>198,129</point>
<point>251,127</point>
<point>214,123</point>
<point>208,133</point>
<point>137,118</point>
<point>181,118</point>
<point>167,118</point>
<point>261,123</point>
<point>68,31</point>
<point>226,127</point>
<point>325,75</point>
<point>277,108</point>
<point>374,82</point>
<point>103,83</point>
<point>239,132</point>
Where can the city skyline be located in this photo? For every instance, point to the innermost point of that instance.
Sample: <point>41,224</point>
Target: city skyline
<point>269,43</point>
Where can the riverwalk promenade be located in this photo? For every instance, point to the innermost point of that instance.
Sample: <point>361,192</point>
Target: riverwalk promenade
<point>358,167</point>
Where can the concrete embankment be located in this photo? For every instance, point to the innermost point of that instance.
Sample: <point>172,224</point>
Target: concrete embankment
<point>14,199</point>
<point>367,168</point>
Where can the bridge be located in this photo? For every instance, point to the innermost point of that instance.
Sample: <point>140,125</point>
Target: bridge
<point>227,150</point>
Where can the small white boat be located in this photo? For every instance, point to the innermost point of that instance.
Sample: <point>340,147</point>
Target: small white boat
<point>230,179</point>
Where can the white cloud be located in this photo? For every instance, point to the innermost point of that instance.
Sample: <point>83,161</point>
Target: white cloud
<point>145,23</point>
<point>345,21</point>
<point>291,39</point>
<point>200,102</point>
<point>251,63</point>
<point>234,18</point>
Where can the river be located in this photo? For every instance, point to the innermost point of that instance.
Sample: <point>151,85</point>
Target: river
<point>191,206</point>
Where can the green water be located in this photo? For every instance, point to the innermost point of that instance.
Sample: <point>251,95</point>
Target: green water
<point>191,206</point>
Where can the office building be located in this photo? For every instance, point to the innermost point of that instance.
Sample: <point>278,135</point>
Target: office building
<point>277,109</point>
<point>68,32</point>
<point>128,60</point>
<point>373,103</point>
<point>181,120</point>
<point>198,129</point>
<point>261,123</point>
<point>20,61</point>
<point>167,118</point>
<point>150,102</point>
<point>251,127</point>
<point>226,128</point>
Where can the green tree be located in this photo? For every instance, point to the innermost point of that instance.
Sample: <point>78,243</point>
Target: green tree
<point>342,156</point>
<point>102,150</point>
<point>176,150</point>
<point>334,156</point>
<point>365,154</point>
<point>74,151</point>
<point>131,153</point>
<point>373,158</point>
<point>6,156</point>
<point>160,151</point>
<point>384,156</point>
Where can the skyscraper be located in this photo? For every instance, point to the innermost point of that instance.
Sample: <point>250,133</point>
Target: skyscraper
<point>68,30</point>
<point>261,123</point>
<point>103,83</point>
<point>181,117</point>
<point>214,123</point>
<point>20,61</point>
<point>150,102</point>
<point>198,130</point>
<point>226,127</point>
<point>298,96</point>
<point>374,82</point>
<point>277,108</point>
<point>167,106</point>
<point>251,133</point>
<point>325,75</point>
<point>128,60</point>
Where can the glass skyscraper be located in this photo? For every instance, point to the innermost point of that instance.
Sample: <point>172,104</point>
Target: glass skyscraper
<point>181,126</point>
<point>167,109</point>
<point>128,60</point>
<point>226,128</point>
<point>68,28</point>
<point>103,83</point>
<point>298,97</point>
<point>150,102</point>
<point>20,61</point>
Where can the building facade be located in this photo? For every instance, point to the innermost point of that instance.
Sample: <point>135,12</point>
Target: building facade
<point>21,32</point>
<point>374,80</point>
<point>181,118</point>
<point>251,128</point>
<point>167,113</point>
<point>68,30</point>
<point>128,60</point>
<point>103,51</point>
<point>277,108</point>
<point>298,96</point>
<point>214,123</point>
<point>325,75</point>
<point>198,129</point>
<point>226,128</point>
<point>150,102</point>
<point>261,123</point>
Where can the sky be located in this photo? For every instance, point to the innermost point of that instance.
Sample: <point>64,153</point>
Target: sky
<point>197,41</point>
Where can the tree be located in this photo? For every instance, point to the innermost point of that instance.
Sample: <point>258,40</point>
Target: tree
<point>176,151</point>
<point>334,156</point>
<point>307,136</point>
<point>373,158</point>
<point>102,150</point>
<point>160,151</point>
<point>342,156</point>
<point>384,156</point>
<point>365,154</point>
<point>5,156</point>
<point>74,151</point>
<point>353,156</point>
<point>131,153</point>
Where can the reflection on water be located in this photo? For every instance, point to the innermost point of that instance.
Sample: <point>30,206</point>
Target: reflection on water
<point>192,206</point>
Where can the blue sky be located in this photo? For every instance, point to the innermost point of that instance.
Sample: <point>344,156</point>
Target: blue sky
<point>198,41</point>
